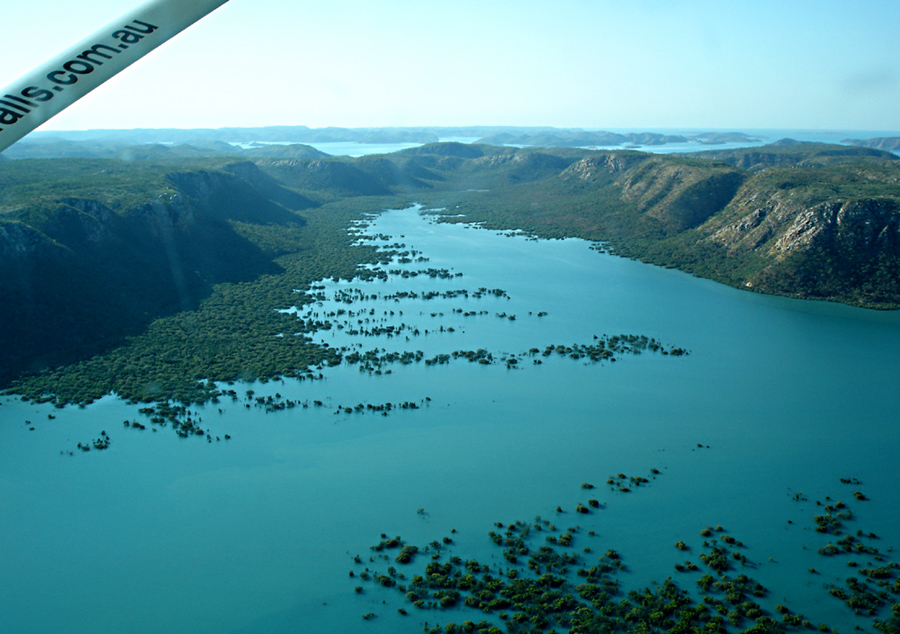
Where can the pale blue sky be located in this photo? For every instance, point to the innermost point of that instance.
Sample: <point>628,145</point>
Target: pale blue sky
<point>637,64</point>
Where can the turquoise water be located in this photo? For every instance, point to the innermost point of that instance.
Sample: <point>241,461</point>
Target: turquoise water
<point>339,148</point>
<point>257,533</point>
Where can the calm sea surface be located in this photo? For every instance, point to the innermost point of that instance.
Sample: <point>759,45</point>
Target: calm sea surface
<point>256,534</point>
<point>762,137</point>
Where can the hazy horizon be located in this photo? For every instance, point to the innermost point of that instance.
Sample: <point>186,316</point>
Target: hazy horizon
<point>633,129</point>
<point>597,65</point>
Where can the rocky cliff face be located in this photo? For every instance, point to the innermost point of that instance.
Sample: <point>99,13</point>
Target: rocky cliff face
<point>846,250</point>
<point>807,220</point>
<point>868,226</point>
<point>19,243</point>
<point>679,195</point>
<point>166,213</point>
<point>601,166</point>
<point>91,220</point>
<point>664,196</point>
<point>779,226</point>
<point>76,273</point>
<point>761,216</point>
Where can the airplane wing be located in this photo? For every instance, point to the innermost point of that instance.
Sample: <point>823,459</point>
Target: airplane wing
<point>49,89</point>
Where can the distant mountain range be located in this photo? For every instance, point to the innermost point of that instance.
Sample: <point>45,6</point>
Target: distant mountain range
<point>291,141</point>
<point>581,138</point>
<point>890,143</point>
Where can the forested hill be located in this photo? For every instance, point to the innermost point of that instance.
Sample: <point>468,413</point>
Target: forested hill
<point>800,219</point>
<point>93,251</point>
<point>160,272</point>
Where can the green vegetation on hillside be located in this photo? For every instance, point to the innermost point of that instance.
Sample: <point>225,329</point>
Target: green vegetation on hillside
<point>808,221</point>
<point>155,278</point>
<point>149,282</point>
<point>234,334</point>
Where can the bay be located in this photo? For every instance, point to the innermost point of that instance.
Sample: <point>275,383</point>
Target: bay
<point>777,401</point>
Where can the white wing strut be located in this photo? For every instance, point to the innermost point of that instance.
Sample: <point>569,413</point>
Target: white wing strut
<point>49,89</point>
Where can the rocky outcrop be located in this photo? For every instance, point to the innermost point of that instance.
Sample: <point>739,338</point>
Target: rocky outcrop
<point>861,226</point>
<point>168,212</point>
<point>592,168</point>
<point>779,226</point>
<point>18,242</point>
<point>761,216</point>
<point>679,195</point>
<point>845,250</point>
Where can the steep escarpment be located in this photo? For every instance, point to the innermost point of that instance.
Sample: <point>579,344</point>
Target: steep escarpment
<point>79,275</point>
<point>603,166</point>
<point>822,227</point>
<point>524,167</point>
<point>678,195</point>
<point>398,176</point>
<point>325,179</point>
<point>270,188</point>
<point>806,220</point>
<point>844,250</point>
